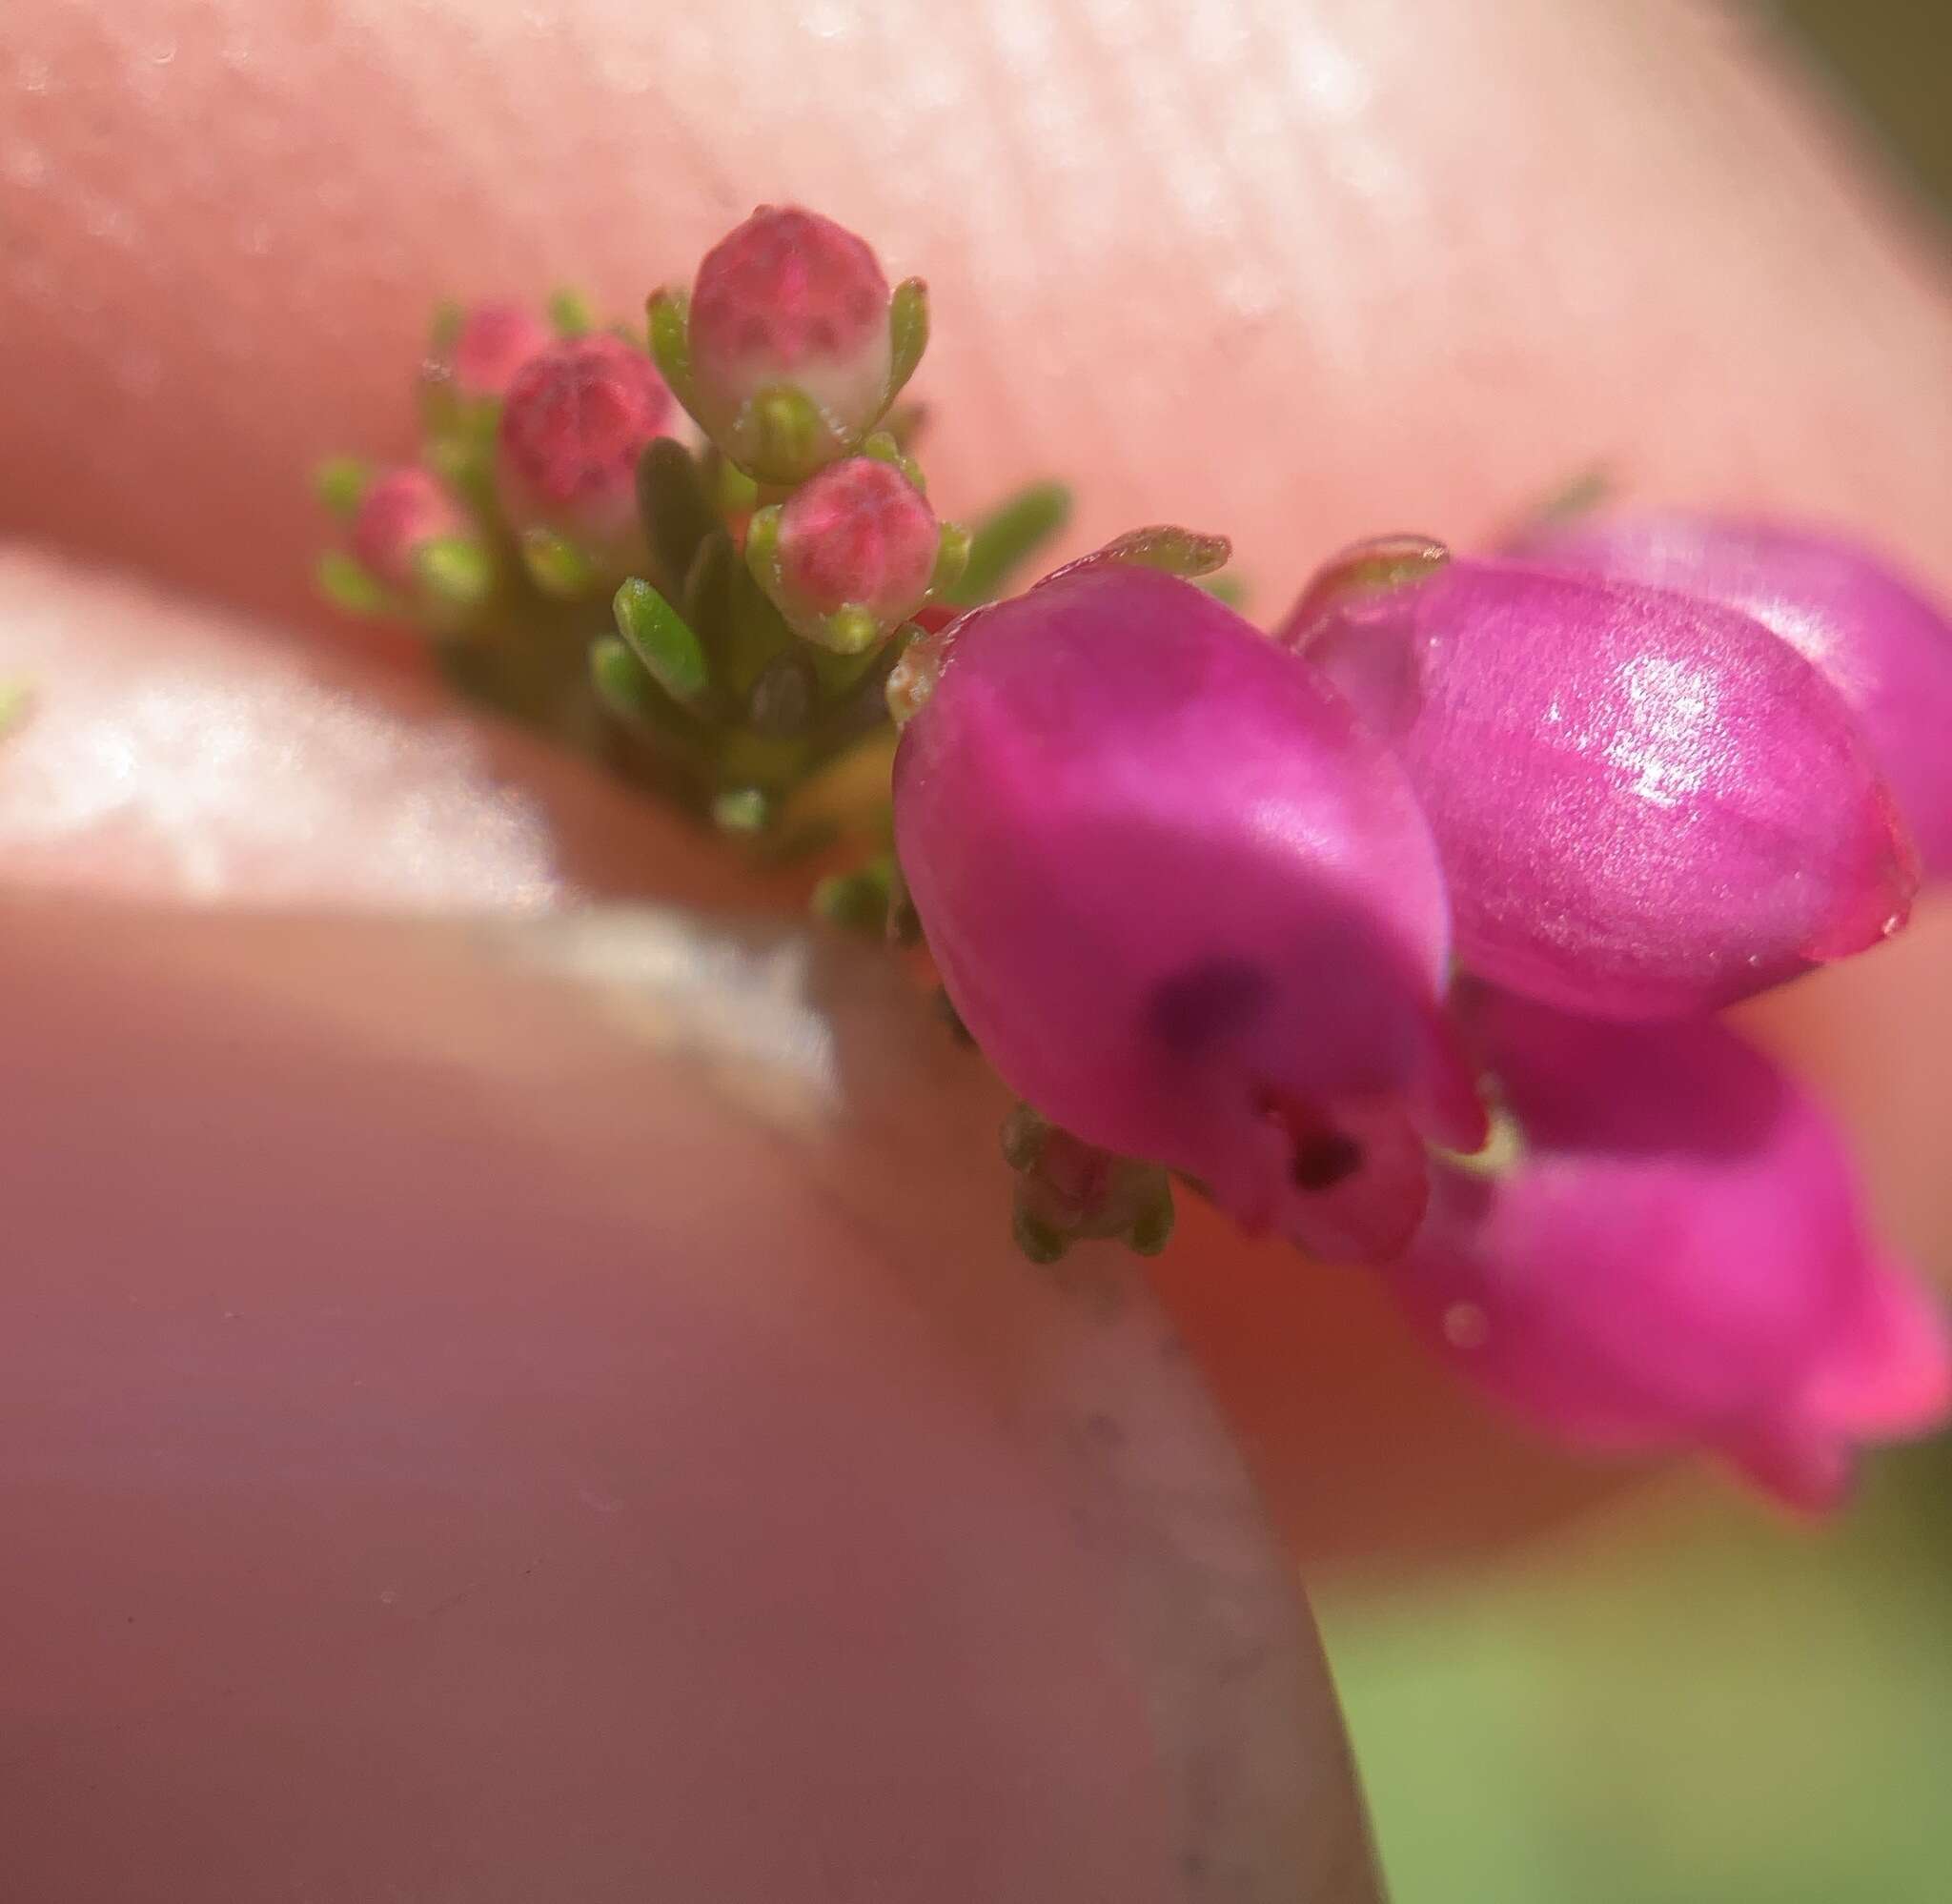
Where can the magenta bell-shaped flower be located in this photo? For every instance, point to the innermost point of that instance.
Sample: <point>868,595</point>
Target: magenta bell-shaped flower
<point>1647,804</point>
<point>1677,1258</point>
<point>1875,634</point>
<point>577,417</point>
<point>1186,903</point>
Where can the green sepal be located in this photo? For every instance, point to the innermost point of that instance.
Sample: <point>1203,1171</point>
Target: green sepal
<point>882,447</point>
<point>669,329</point>
<point>852,630</point>
<point>1185,553</point>
<point>350,585</point>
<point>784,436</point>
<point>1360,573</point>
<point>555,565</point>
<point>762,549</point>
<point>742,810</point>
<point>455,574</point>
<point>907,333</point>
<point>570,312</point>
<point>663,641</point>
<point>951,560</point>
<point>341,483</point>
<point>462,454</point>
<point>1006,538</point>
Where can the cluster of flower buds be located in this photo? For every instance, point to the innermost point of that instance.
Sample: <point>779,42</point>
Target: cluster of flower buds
<point>1203,896</point>
<point>760,576</point>
<point>1398,932</point>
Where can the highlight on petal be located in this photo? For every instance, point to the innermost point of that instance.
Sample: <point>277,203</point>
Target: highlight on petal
<point>1185,901</point>
<point>1679,1260</point>
<point>1647,805</point>
<point>1870,630</point>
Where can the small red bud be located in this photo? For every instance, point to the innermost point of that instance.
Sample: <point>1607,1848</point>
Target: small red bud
<point>401,514</point>
<point>859,534</point>
<point>790,297</point>
<point>577,418</point>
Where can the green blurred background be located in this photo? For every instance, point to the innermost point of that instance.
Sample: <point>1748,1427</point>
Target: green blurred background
<point>1891,61</point>
<point>1684,1698</point>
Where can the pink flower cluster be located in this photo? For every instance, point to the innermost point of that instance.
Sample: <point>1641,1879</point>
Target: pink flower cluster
<point>1199,895</point>
<point>1399,932</point>
<point>786,352</point>
<point>531,432</point>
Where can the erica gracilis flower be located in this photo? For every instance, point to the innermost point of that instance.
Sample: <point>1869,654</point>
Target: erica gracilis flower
<point>1184,904</point>
<point>1647,804</point>
<point>1871,631</point>
<point>1678,1260</point>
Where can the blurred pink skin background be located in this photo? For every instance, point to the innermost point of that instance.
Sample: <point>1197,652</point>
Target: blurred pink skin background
<point>353,1261</point>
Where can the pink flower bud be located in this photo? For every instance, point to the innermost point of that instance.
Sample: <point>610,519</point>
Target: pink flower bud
<point>1678,1260</point>
<point>790,298</point>
<point>859,535</point>
<point>491,344</point>
<point>401,515</point>
<point>1646,804</point>
<point>1872,633</point>
<point>577,418</point>
<point>1188,908</point>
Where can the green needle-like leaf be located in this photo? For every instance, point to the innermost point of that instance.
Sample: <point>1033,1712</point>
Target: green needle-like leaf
<point>341,483</point>
<point>571,315</point>
<point>670,341</point>
<point>620,679</point>
<point>663,641</point>
<point>907,331</point>
<point>347,585</point>
<point>678,514</point>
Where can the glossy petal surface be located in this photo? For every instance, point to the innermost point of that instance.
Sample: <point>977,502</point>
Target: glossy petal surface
<point>1186,903</point>
<point>1647,805</point>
